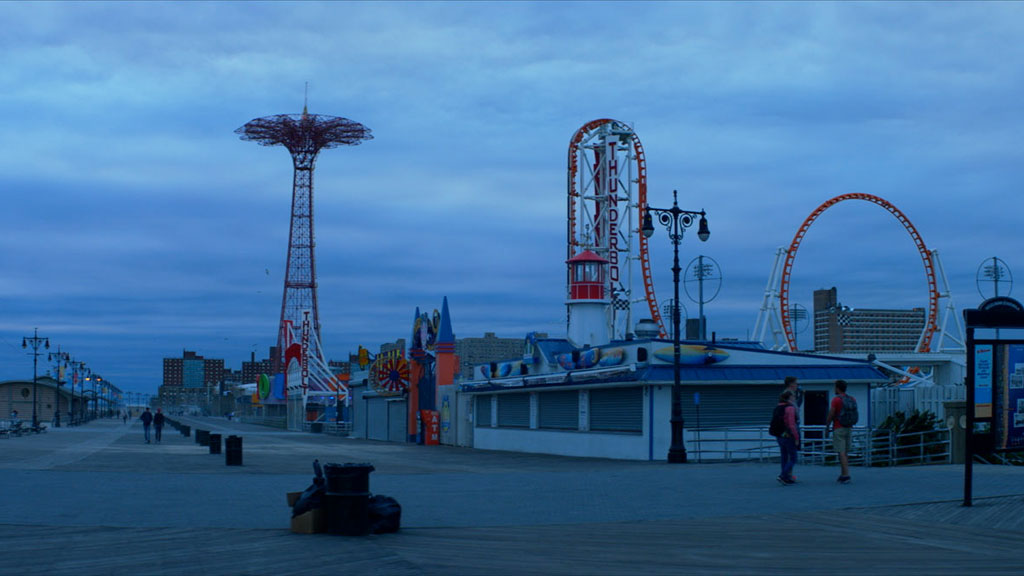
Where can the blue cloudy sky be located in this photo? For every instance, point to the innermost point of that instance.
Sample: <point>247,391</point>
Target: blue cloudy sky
<point>136,224</point>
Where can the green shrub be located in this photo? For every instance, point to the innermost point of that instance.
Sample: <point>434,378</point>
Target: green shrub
<point>910,432</point>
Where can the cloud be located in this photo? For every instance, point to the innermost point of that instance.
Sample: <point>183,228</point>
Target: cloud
<point>138,224</point>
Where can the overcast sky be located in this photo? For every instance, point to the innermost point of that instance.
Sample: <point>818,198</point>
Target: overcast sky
<point>136,224</point>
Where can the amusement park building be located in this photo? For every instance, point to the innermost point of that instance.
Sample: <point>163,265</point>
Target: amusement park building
<point>379,414</point>
<point>839,329</point>
<point>17,395</point>
<point>614,401</point>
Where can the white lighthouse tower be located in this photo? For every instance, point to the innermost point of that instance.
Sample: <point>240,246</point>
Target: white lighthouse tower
<point>588,301</point>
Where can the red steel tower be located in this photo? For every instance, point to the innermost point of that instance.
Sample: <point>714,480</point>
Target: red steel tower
<point>304,135</point>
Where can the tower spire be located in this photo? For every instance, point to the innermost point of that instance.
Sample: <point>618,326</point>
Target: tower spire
<point>305,101</point>
<point>444,333</point>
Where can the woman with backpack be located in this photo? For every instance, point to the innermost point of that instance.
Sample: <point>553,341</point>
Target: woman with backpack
<point>786,431</point>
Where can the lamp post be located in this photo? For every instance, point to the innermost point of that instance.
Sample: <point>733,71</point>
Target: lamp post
<point>35,342</point>
<point>676,221</point>
<point>84,375</point>
<point>71,387</point>
<point>61,358</point>
<point>95,400</point>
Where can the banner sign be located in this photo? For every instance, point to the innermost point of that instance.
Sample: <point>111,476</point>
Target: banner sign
<point>1008,420</point>
<point>983,381</point>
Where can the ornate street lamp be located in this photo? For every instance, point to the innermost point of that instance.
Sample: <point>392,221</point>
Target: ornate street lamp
<point>676,221</point>
<point>61,359</point>
<point>81,375</point>
<point>95,399</point>
<point>35,342</point>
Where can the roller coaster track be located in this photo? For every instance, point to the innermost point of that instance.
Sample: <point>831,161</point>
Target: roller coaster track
<point>931,323</point>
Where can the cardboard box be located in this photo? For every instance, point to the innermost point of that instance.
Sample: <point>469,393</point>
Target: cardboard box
<point>312,522</point>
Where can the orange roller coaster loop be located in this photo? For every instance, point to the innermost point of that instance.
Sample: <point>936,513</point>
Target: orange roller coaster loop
<point>931,324</point>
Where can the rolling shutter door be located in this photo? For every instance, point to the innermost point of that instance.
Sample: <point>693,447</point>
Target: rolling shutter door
<point>483,412</point>
<point>559,410</point>
<point>617,409</point>
<point>514,410</point>
<point>397,422</point>
<point>376,419</point>
<point>730,406</point>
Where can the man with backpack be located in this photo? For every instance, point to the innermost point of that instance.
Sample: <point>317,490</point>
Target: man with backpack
<point>791,384</point>
<point>784,427</point>
<point>842,416</point>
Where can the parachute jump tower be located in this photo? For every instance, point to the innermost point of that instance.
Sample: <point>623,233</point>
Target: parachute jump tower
<point>304,135</point>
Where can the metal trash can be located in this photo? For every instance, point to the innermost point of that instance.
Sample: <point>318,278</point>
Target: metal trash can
<point>233,450</point>
<point>186,431</point>
<point>348,478</point>
<point>213,441</point>
<point>347,501</point>
<point>348,514</point>
<point>203,437</point>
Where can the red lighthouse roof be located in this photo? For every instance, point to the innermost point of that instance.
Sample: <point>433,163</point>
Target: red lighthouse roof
<point>586,256</point>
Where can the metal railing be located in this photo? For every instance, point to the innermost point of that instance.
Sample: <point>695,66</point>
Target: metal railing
<point>328,427</point>
<point>272,421</point>
<point>869,446</point>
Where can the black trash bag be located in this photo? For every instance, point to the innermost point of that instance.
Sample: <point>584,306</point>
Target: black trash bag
<point>385,514</point>
<point>313,497</point>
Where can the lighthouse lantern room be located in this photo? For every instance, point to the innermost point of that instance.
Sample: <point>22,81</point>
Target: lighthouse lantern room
<point>588,302</point>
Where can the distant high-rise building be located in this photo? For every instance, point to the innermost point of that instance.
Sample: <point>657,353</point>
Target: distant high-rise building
<point>252,369</point>
<point>490,348</point>
<point>841,329</point>
<point>189,379</point>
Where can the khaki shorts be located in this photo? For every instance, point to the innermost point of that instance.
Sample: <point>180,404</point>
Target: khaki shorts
<point>841,440</point>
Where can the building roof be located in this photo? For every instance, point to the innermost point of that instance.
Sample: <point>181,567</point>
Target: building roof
<point>587,256</point>
<point>715,373</point>
<point>711,374</point>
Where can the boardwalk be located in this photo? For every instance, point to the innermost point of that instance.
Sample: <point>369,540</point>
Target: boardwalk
<point>96,500</point>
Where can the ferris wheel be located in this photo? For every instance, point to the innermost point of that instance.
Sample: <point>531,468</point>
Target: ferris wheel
<point>607,190</point>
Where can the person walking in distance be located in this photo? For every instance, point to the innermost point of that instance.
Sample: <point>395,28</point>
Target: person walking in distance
<point>842,416</point>
<point>791,384</point>
<point>147,419</point>
<point>158,424</point>
<point>787,432</point>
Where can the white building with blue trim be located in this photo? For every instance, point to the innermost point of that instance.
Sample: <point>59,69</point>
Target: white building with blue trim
<point>586,395</point>
<point>614,401</point>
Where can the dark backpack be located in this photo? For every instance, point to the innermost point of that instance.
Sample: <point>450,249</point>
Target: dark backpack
<point>778,423</point>
<point>848,415</point>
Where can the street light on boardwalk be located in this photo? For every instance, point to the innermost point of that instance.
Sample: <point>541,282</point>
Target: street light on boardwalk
<point>35,341</point>
<point>676,221</point>
<point>81,373</point>
<point>61,359</point>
